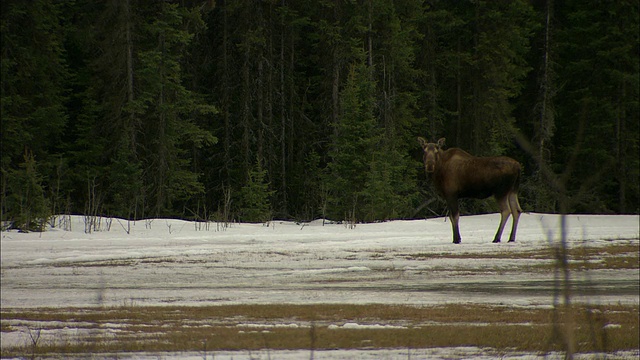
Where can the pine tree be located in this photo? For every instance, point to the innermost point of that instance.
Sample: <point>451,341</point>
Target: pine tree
<point>24,197</point>
<point>597,120</point>
<point>34,80</point>
<point>388,191</point>
<point>544,114</point>
<point>167,111</point>
<point>255,205</point>
<point>355,136</point>
<point>114,102</point>
<point>502,38</point>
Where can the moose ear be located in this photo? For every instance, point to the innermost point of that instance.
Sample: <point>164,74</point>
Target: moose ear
<point>422,142</point>
<point>441,142</point>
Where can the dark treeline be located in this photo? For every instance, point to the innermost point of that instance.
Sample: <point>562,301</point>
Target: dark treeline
<point>251,110</point>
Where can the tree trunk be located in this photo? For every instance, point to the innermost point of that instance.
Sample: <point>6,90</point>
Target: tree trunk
<point>335,77</point>
<point>283,138</point>
<point>246,113</point>
<point>130,97</point>
<point>459,93</point>
<point>225,96</point>
<point>370,35</point>
<point>620,149</point>
<point>545,122</point>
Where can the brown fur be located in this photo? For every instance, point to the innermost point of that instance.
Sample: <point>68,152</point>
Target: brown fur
<point>456,174</point>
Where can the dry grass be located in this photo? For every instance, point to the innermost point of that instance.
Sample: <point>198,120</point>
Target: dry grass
<point>613,256</point>
<point>252,327</point>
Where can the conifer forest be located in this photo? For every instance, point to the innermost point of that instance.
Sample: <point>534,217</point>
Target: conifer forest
<point>253,110</point>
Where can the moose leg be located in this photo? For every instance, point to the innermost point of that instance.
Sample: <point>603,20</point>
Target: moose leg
<point>505,211</point>
<point>515,211</point>
<point>454,215</point>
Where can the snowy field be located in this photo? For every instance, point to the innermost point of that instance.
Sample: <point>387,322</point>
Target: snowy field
<point>172,262</point>
<point>401,262</point>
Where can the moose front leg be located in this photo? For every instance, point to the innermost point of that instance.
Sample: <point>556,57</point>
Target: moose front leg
<point>454,215</point>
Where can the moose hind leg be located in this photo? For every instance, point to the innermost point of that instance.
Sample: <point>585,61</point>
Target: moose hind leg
<point>505,211</point>
<point>514,204</point>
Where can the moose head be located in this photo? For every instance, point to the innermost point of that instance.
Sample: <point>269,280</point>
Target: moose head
<point>431,153</point>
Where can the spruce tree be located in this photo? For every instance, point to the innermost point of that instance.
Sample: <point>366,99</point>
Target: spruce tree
<point>388,191</point>
<point>502,33</point>
<point>24,197</point>
<point>167,109</point>
<point>34,81</point>
<point>255,205</point>
<point>355,135</point>
<point>597,112</point>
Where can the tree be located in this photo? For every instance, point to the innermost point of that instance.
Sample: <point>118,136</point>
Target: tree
<point>389,191</point>
<point>544,113</point>
<point>25,200</point>
<point>254,197</point>
<point>32,102</point>
<point>123,182</point>
<point>501,42</point>
<point>120,103</point>
<point>167,110</point>
<point>355,136</point>
<point>598,119</point>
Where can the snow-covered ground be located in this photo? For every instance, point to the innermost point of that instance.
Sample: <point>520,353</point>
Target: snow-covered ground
<point>404,262</point>
<point>173,262</point>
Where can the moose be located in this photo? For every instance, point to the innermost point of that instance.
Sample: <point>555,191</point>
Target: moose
<point>457,174</point>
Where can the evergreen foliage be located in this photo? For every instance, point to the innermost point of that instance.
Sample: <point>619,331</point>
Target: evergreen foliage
<point>28,207</point>
<point>254,197</point>
<point>353,145</point>
<point>301,110</point>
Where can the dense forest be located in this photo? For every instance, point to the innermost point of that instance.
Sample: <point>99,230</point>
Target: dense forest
<point>251,110</point>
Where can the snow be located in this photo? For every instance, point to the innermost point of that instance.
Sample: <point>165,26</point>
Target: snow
<point>466,352</point>
<point>173,262</point>
<point>352,325</point>
<point>407,262</point>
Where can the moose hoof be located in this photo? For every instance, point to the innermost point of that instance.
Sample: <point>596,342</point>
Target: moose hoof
<point>456,241</point>
<point>512,240</point>
<point>496,241</point>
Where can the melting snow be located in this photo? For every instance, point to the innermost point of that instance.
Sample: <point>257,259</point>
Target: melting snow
<point>173,262</point>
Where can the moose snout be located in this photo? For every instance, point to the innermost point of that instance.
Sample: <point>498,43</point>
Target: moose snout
<point>430,167</point>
